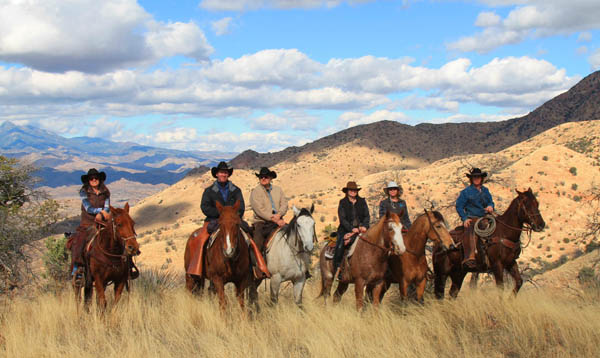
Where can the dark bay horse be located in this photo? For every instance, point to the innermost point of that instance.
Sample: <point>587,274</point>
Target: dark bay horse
<point>227,259</point>
<point>369,262</point>
<point>108,257</point>
<point>503,248</point>
<point>411,267</point>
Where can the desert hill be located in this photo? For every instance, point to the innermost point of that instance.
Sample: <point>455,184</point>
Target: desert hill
<point>560,165</point>
<point>430,142</point>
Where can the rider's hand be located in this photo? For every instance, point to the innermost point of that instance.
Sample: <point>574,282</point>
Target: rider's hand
<point>107,215</point>
<point>280,222</point>
<point>362,229</point>
<point>467,223</point>
<point>275,218</point>
<point>489,209</point>
<point>98,217</point>
<point>355,230</point>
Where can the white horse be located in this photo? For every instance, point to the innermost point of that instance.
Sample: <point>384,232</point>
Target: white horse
<point>288,254</point>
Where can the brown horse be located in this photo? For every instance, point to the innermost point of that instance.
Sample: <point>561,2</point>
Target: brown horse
<point>411,267</point>
<point>108,256</point>
<point>227,259</point>
<point>502,249</point>
<point>369,262</point>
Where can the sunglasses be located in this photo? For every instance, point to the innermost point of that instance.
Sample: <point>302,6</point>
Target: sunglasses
<point>264,177</point>
<point>94,178</point>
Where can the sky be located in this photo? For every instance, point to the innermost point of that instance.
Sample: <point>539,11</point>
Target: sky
<point>230,75</point>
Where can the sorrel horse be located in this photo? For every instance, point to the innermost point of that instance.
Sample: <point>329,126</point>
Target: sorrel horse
<point>502,249</point>
<point>369,262</point>
<point>108,257</point>
<point>411,267</point>
<point>288,254</point>
<point>227,259</point>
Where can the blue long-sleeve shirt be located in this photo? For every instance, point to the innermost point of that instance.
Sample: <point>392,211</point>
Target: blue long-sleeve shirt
<point>88,206</point>
<point>472,202</point>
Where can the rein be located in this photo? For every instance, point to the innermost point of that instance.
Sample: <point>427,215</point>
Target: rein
<point>387,250</point>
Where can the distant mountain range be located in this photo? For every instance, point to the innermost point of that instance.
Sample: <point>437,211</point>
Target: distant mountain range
<point>431,142</point>
<point>62,160</point>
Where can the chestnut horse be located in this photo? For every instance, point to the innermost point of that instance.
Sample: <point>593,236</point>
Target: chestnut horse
<point>503,247</point>
<point>227,259</point>
<point>369,262</point>
<point>411,267</point>
<point>108,257</point>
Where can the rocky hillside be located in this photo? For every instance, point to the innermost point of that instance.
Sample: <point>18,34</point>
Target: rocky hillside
<point>431,142</point>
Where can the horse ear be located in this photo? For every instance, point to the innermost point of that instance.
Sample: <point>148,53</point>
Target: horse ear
<point>219,206</point>
<point>126,207</point>
<point>518,192</point>
<point>295,210</point>
<point>312,208</point>
<point>529,190</point>
<point>236,206</point>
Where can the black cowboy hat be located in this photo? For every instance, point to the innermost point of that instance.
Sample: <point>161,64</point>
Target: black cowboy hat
<point>476,172</point>
<point>93,173</point>
<point>221,166</point>
<point>264,171</point>
<point>351,185</point>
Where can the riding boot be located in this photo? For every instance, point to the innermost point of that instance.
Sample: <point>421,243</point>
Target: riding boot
<point>260,261</point>
<point>469,242</point>
<point>197,249</point>
<point>338,254</point>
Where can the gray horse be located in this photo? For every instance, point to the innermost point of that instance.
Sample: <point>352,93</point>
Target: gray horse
<point>288,253</point>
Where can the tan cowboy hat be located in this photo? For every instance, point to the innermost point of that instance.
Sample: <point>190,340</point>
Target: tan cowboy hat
<point>351,185</point>
<point>393,185</point>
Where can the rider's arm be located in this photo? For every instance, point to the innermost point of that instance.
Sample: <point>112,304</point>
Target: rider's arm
<point>365,214</point>
<point>405,218</point>
<point>283,204</point>
<point>488,198</point>
<point>344,223</point>
<point>382,209</point>
<point>87,205</point>
<point>460,205</point>
<point>240,197</point>
<point>260,207</point>
<point>107,205</point>
<point>208,209</point>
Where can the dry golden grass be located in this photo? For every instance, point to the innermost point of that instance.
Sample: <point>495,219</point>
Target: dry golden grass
<point>172,323</point>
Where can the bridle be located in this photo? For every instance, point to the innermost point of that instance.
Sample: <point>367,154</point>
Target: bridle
<point>387,250</point>
<point>114,235</point>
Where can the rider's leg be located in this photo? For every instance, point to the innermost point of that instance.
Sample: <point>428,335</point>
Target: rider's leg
<point>469,242</point>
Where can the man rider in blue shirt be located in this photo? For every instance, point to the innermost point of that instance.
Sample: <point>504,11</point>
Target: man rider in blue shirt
<point>473,202</point>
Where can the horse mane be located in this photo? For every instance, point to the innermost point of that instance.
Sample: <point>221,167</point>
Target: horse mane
<point>288,229</point>
<point>378,227</point>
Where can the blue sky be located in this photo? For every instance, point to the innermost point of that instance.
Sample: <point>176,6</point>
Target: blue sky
<point>267,74</point>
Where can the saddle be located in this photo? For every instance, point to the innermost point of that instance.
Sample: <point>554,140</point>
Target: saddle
<point>348,248</point>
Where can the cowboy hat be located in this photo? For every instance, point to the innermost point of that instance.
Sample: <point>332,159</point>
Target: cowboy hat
<point>221,166</point>
<point>264,171</point>
<point>476,172</point>
<point>393,185</point>
<point>93,173</point>
<point>350,186</point>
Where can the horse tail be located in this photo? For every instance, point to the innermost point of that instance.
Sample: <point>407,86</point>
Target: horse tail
<point>322,289</point>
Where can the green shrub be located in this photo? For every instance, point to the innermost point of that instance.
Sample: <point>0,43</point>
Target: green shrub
<point>56,259</point>
<point>545,158</point>
<point>574,186</point>
<point>573,171</point>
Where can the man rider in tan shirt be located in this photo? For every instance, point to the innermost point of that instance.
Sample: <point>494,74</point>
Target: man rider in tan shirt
<point>269,205</point>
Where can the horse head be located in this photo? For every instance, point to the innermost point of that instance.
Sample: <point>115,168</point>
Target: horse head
<point>528,210</point>
<point>124,228</point>
<point>394,232</point>
<point>304,224</point>
<point>229,228</point>
<point>438,230</point>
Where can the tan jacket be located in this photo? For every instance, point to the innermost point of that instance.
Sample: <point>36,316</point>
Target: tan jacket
<point>261,205</point>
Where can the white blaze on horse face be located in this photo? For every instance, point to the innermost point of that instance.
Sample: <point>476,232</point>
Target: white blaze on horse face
<point>398,239</point>
<point>228,249</point>
<point>306,230</point>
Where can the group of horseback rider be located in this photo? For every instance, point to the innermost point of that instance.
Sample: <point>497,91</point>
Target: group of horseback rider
<point>269,205</point>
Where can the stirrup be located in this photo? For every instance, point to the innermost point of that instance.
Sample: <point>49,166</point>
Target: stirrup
<point>258,274</point>
<point>78,277</point>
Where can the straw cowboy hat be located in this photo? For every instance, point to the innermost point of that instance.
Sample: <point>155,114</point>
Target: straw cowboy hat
<point>476,172</point>
<point>93,173</point>
<point>264,171</point>
<point>393,185</point>
<point>221,166</point>
<point>351,185</point>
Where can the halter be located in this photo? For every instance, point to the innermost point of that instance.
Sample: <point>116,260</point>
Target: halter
<point>298,242</point>
<point>387,250</point>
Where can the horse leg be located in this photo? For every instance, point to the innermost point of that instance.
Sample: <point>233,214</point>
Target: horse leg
<point>219,286</point>
<point>403,287</point>
<point>100,294</point>
<point>439,285</point>
<point>298,287</point>
<point>516,275</point>
<point>420,289</point>
<point>239,293</point>
<point>474,280</point>
<point>119,290</point>
<point>377,293</point>
<point>339,292</point>
<point>457,278</point>
<point>87,289</point>
<point>498,272</point>
<point>359,290</point>
<point>274,287</point>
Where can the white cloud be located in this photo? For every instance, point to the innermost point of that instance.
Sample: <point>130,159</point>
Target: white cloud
<point>91,36</point>
<point>221,27</point>
<point>247,5</point>
<point>261,142</point>
<point>582,50</point>
<point>483,117</point>
<point>594,59</point>
<point>428,103</point>
<point>533,18</point>
<point>351,119</point>
<point>105,128</point>
<point>585,36</point>
<point>297,120</point>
